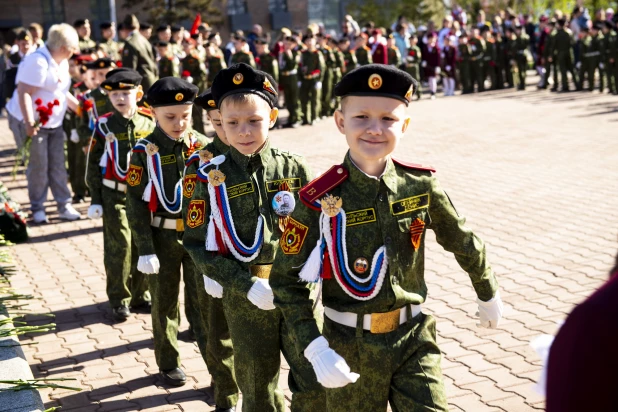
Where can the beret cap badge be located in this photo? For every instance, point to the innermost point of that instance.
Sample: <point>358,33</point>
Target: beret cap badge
<point>211,103</point>
<point>375,81</point>
<point>179,97</point>
<point>238,78</point>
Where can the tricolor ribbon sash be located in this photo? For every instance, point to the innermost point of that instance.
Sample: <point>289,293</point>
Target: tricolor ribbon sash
<point>110,161</point>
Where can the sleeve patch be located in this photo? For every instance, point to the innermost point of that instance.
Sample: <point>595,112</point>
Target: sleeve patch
<point>134,175</point>
<point>195,213</point>
<point>189,185</point>
<point>293,237</point>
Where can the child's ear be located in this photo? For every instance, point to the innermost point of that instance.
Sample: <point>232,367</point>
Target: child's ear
<point>406,123</point>
<point>140,93</point>
<point>274,114</point>
<point>339,121</point>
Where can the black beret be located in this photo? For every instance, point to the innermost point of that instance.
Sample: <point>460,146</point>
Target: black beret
<point>105,25</point>
<point>145,26</point>
<point>79,23</point>
<point>121,79</point>
<point>101,63</point>
<point>162,43</point>
<point>292,39</point>
<point>176,29</point>
<point>24,35</point>
<point>260,40</point>
<point>485,28</point>
<point>308,36</point>
<point>206,100</point>
<point>195,36</point>
<point>171,91</point>
<point>162,27</point>
<point>377,80</point>
<point>213,35</point>
<point>597,26</point>
<point>240,38</point>
<point>241,78</point>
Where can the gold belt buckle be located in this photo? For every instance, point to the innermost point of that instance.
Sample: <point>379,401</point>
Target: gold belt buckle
<point>180,225</point>
<point>385,322</point>
<point>261,271</point>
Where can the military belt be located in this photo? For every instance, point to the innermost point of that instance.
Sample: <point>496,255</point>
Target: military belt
<point>374,322</point>
<point>290,73</point>
<point>121,187</point>
<point>260,271</point>
<point>592,54</point>
<point>311,76</point>
<point>170,224</point>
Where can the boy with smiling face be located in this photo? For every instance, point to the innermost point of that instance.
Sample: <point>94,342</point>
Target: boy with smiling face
<point>115,134</point>
<point>233,224</point>
<point>360,232</point>
<point>154,210</point>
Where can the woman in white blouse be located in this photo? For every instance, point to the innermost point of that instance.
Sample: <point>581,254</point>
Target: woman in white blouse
<point>44,75</point>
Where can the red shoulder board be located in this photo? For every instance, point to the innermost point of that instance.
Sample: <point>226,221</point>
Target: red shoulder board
<point>144,111</point>
<point>106,115</point>
<point>321,185</point>
<point>415,166</point>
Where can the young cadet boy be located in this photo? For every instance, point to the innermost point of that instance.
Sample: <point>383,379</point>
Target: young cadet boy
<point>239,206</point>
<point>360,231</point>
<point>218,352</point>
<point>154,203</point>
<point>115,134</point>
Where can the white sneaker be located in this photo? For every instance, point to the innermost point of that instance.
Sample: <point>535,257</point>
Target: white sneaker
<point>69,214</point>
<point>40,217</point>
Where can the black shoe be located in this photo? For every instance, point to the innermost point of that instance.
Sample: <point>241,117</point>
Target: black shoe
<point>305,123</point>
<point>121,313</point>
<point>144,307</point>
<point>78,199</point>
<point>174,377</point>
<point>232,409</point>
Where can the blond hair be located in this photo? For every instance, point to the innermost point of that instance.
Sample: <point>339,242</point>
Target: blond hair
<point>62,35</point>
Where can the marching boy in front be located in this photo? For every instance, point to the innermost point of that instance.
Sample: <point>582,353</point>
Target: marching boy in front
<point>360,231</point>
<point>234,220</point>
<point>114,136</point>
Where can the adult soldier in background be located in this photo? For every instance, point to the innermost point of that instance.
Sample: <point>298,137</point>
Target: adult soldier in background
<point>108,45</point>
<point>290,59</point>
<point>82,26</point>
<point>138,53</point>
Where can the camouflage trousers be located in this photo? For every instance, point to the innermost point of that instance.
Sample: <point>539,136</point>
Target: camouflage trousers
<point>310,100</point>
<point>260,336</point>
<point>326,104</point>
<point>164,288</point>
<point>126,286</point>
<point>400,367</point>
<point>290,91</point>
<point>218,352</point>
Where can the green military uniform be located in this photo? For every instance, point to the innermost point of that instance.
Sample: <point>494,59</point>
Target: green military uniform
<point>610,48</point>
<point>477,54</point>
<point>289,83</point>
<point>326,103</point>
<point>549,59</point>
<point>592,58</point>
<point>125,284</point>
<point>394,56</point>
<point>489,63</point>
<point>268,63</point>
<point>312,66</point>
<point>74,149</point>
<point>401,364</point>
<point>197,71</point>
<point>216,63</point>
<point>563,54</point>
<point>258,335</point>
<point>138,54</point>
<point>111,48</point>
<point>243,57</point>
<point>363,56</point>
<point>465,69</point>
<point>337,74</point>
<point>412,65</point>
<point>218,352</point>
<point>349,60</point>
<point>519,46</point>
<point>169,66</point>
<point>177,49</point>
<point>85,44</point>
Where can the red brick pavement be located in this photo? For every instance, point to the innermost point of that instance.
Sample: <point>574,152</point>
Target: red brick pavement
<point>533,172</point>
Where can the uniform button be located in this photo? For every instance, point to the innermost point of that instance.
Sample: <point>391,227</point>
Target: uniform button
<point>381,197</point>
<point>387,240</point>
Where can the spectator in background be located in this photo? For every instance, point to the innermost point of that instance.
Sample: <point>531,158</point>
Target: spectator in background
<point>480,19</point>
<point>445,31</point>
<point>36,31</point>
<point>255,34</point>
<point>410,29</point>
<point>378,48</point>
<point>402,39</point>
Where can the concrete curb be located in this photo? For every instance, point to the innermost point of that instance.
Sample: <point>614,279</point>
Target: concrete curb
<point>13,365</point>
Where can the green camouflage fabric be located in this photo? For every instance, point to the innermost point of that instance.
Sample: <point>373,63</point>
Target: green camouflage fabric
<point>363,56</point>
<point>289,82</point>
<point>166,244</point>
<point>196,68</point>
<point>138,54</point>
<point>268,64</point>
<point>126,286</point>
<point>519,52</point>
<point>169,66</point>
<point>385,209</point>
<point>549,62</point>
<point>349,61</point>
<point>563,55</point>
<point>258,335</point>
<point>85,44</point>
<point>243,57</point>
<point>326,104</point>
<point>338,75</point>
<point>215,65</point>
<point>310,97</point>
<point>592,52</point>
<point>465,68</point>
<point>477,53</point>
<point>394,56</point>
<point>489,63</point>
<point>610,47</point>
<point>111,48</point>
<point>218,353</point>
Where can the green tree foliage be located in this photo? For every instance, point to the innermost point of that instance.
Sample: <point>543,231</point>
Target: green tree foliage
<point>174,11</point>
<point>384,12</point>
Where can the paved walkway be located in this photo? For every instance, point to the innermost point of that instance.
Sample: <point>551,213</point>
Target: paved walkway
<point>533,172</point>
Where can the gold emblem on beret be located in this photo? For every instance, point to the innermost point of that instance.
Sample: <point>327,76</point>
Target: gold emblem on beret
<point>331,205</point>
<point>101,64</point>
<point>108,87</point>
<point>211,103</point>
<point>179,97</point>
<point>84,67</point>
<point>375,81</point>
<point>26,38</point>
<point>216,177</point>
<point>151,149</point>
<point>125,85</point>
<point>238,78</point>
<point>409,93</point>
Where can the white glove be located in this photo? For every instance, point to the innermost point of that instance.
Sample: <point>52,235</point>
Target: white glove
<point>148,264</point>
<point>298,84</point>
<point>438,70</point>
<point>213,288</point>
<point>261,295</point>
<point>601,66</point>
<point>74,136</point>
<point>424,63</point>
<point>490,312</point>
<point>448,68</point>
<point>331,370</point>
<point>318,86</point>
<point>95,211</point>
<point>578,65</point>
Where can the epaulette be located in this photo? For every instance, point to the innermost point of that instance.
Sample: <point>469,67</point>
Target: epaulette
<point>144,111</point>
<point>414,166</point>
<point>319,186</point>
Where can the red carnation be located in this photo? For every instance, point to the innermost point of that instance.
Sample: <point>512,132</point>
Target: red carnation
<point>87,105</point>
<point>56,102</point>
<point>186,73</point>
<point>50,105</point>
<point>412,53</point>
<point>38,102</point>
<point>119,63</point>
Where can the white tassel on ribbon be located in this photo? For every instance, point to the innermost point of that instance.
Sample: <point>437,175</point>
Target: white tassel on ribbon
<point>147,192</point>
<point>211,238</point>
<point>103,161</point>
<point>311,269</point>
